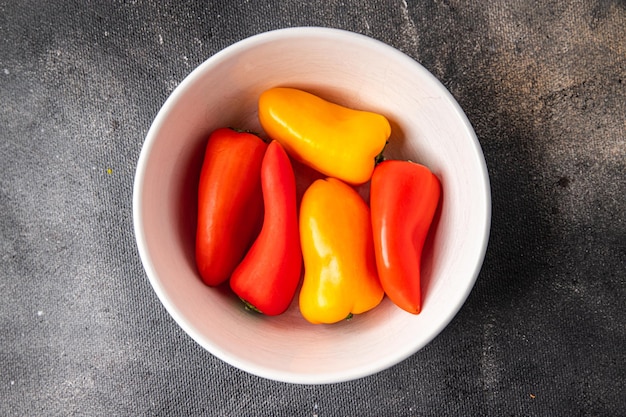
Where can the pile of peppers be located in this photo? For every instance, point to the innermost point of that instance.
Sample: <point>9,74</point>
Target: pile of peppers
<point>285,215</point>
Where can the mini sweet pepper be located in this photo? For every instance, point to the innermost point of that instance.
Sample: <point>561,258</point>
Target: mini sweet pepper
<point>340,276</point>
<point>335,140</point>
<point>269,274</point>
<point>230,202</point>
<point>403,199</point>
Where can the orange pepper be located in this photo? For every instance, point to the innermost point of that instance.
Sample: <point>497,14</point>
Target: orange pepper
<point>340,277</point>
<point>335,140</point>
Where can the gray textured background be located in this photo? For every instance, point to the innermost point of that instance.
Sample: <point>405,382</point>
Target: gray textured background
<point>543,332</point>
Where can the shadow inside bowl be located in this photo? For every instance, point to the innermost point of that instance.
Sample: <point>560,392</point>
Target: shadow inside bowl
<point>186,209</point>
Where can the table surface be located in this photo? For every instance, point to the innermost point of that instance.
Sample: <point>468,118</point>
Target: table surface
<point>543,331</point>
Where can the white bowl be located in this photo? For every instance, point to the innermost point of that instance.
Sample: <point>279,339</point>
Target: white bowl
<point>428,127</point>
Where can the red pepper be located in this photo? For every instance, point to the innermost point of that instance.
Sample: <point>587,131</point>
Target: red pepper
<point>403,199</point>
<point>268,276</point>
<point>230,202</point>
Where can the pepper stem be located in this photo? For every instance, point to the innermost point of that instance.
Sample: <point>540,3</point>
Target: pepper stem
<point>380,157</point>
<point>250,307</point>
<point>252,132</point>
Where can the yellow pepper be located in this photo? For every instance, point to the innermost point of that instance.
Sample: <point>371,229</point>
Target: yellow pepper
<point>335,140</point>
<point>340,277</point>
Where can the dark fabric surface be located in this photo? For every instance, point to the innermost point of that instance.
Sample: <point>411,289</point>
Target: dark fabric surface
<point>543,332</point>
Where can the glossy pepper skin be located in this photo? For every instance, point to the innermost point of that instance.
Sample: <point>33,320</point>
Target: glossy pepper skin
<point>340,276</point>
<point>335,140</point>
<point>403,199</point>
<point>269,275</point>
<point>230,202</point>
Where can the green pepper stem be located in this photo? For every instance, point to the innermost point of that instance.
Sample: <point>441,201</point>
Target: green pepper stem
<point>250,307</point>
<point>380,157</point>
<point>252,132</point>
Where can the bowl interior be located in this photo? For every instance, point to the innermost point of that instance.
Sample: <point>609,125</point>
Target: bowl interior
<point>428,127</point>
